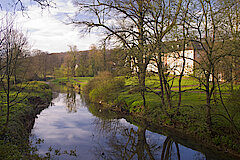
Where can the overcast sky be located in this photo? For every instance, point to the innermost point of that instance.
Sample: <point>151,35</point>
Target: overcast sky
<point>46,30</point>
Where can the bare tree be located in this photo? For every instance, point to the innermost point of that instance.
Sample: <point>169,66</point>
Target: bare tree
<point>163,17</point>
<point>229,27</point>
<point>205,24</point>
<point>21,5</point>
<point>124,21</point>
<point>40,64</point>
<point>70,62</point>
<point>12,47</point>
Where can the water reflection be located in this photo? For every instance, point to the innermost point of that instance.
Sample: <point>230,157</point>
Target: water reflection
<point>71,100</point>
<point>126,141</point>
<point>167,151</point>
<point>69,125</point>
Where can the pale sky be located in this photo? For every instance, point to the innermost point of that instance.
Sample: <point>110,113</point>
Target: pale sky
<point>46,30</point>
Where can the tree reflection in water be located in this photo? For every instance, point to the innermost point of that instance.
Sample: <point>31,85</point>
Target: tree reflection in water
<point>112,138</point>
<point>128,142</point>
<point>71,99</point>
<point>167,151</point>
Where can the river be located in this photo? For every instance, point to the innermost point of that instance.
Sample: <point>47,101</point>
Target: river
<point>70,124</point>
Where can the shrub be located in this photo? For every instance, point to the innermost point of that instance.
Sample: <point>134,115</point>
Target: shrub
<point>104,87</point>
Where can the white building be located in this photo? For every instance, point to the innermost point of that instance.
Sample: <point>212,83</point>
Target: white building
<point>174,57</point>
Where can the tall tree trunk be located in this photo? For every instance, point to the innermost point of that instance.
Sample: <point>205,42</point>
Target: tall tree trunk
<point>8,90</point>
<point>183,66</point>
<point>141,59</point>
<point>180,82</point>
<point>141,143</point>
<point>104,57</point>
<point>160,68</point>
<point>167,90</point>
<point>208,113</point>
<point>142,86</point>
<point>208,105</point>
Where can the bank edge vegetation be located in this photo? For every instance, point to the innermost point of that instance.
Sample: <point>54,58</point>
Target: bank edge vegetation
<point>137,33</point>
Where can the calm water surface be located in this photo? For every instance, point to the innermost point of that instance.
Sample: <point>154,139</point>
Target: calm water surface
<point>69,125</point>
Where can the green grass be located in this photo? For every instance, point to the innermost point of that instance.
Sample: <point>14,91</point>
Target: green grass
<point>153,100</point>
<point>14,138</point>
<point>153,81</point>
<point>31,89</point>
<point>188,98</point>
<point>192,117</point>
<point>72,80</point>
<point>192,97</point>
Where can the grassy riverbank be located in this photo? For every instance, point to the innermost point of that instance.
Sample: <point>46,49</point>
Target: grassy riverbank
<point>121,95</point>
<point>14,138</point>
<point>77,82</point>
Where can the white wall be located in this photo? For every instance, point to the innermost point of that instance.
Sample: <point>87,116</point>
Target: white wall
<point>175,62</point>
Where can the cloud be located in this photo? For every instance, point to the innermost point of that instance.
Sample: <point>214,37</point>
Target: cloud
<point>47,31</point>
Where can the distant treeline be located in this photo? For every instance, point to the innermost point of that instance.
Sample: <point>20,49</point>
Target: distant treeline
<point>75,63</point>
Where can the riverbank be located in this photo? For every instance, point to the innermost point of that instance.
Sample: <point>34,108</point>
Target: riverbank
<point>179,136</point>
<point>121,96</point>
<point>14,139</point>
<point>77,83</point>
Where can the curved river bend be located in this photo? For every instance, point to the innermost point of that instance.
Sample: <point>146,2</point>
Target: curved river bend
<point>68,125</point>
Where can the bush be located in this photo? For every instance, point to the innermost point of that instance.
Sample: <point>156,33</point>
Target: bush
<point>104,87</point>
